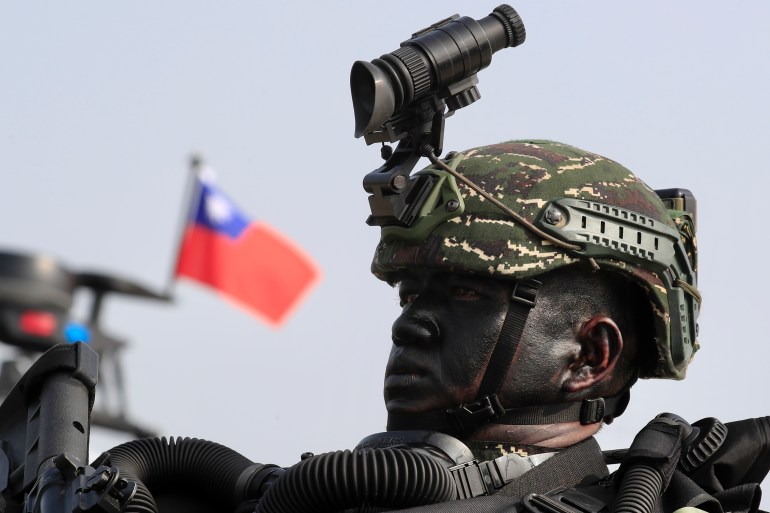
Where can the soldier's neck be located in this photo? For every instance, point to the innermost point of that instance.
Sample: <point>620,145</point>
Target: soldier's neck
<point>556,436</point>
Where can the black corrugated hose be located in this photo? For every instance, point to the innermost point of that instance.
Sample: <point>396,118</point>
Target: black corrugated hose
<point>185,466</point>
<point>639,490</point>
<point>369,479</point>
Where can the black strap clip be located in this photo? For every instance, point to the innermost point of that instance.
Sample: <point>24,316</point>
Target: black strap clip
<point>592,411</point>
<point>564,500</point>
<point>525,292</point>
<point>472,479</point>
<point>469,417</point>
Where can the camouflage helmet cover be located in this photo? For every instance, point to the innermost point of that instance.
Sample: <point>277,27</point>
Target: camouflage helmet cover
<point>528,176</point>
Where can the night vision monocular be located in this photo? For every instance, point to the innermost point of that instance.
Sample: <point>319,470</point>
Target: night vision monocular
<point>406,95</point>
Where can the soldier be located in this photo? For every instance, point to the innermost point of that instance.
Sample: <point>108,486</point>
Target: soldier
<point>538,282</point>
<point>536,287</point>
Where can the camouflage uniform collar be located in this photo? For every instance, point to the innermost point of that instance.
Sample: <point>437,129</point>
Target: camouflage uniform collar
<point>489,450</point>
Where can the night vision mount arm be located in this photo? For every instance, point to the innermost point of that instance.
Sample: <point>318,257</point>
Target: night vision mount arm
<point>406,96</point>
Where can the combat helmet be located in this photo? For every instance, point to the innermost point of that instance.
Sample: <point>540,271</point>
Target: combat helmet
<point>518,209</point>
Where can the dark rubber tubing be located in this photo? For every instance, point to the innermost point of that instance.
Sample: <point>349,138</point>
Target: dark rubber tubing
<point>374,479</point>
<point>183,465</point>
<point>639,490</point>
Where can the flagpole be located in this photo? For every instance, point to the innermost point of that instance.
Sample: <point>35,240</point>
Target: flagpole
<point>190,200</point>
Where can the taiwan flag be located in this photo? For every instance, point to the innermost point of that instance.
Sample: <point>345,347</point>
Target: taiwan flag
<point>246,261</point>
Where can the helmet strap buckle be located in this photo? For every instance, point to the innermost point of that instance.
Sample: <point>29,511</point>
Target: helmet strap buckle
<point>471,416</point>
<point>592,411</point>
<point>525,291</point>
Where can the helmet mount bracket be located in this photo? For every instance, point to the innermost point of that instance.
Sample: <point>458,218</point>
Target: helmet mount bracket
<point>394,199</point>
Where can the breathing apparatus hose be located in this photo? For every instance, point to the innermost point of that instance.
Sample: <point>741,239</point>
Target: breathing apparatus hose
<point>650,462</point>
<point>371,479</point>
<point>639,490</point>
<point>197,468</point>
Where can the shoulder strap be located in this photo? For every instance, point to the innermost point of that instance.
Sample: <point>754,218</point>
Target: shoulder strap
<point>582,463</point>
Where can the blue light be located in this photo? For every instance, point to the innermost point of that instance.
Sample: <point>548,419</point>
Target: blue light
<point>75,332</point>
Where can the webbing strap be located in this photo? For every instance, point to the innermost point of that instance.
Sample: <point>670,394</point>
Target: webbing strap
<point>522,300</point>
<point>588,411</point>
<point>459,422</point>
<point>579,463</point>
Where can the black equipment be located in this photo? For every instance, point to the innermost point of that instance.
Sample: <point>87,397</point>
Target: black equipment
<point>45,426</point>
<point>407,94</point>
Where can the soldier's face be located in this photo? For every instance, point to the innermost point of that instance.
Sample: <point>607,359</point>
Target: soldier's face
<point>442,339</point>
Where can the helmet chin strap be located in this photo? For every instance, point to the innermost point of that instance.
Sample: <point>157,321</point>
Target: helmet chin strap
<point>487,409</point>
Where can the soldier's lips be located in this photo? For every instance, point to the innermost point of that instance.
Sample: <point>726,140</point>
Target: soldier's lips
<point>403,379</point>
<point>406,391</point>
<point>404,369</point>
<point>407,376</point>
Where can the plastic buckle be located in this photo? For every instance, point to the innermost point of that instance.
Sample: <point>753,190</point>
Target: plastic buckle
<point>525,292</point>
<point>471,416</point>
<point>472,480</point>
<point>592,411</point>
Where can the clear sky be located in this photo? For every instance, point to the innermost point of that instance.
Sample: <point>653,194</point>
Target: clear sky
<point>101,104</point>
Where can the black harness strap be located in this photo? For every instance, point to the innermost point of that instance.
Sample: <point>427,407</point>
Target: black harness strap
<point>469,417</point>
<point>460,421</point>
<point>588,411</point>
<point>580,463</point>
<point>522,300</point>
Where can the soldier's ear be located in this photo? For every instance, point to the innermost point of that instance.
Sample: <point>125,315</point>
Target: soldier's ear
<point>600,346</point>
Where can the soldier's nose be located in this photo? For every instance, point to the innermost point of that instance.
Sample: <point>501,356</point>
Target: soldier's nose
<point>414,330</point>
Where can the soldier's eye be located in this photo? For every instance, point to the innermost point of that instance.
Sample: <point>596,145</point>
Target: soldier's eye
<point>464,294</point>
